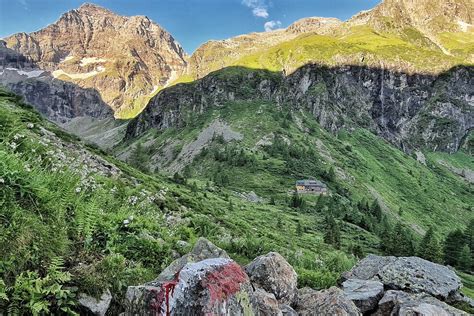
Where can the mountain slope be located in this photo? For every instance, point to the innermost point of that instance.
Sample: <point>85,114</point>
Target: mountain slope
<point>415,36</point>
<point>255,111</point>
<point>126,59</point>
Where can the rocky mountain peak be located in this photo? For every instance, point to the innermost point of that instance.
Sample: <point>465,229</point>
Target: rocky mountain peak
<point>314,24</point>
<point>93,9</point>
<point>429,16</point>
<point>126,59</point>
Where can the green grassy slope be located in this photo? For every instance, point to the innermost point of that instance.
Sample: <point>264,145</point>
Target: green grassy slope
<point>407,49</point>
<point>64,228</point>
<point>366,166</point>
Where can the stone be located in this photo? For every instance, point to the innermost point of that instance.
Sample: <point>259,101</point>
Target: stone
<point>267,304</point>
<point>364,293</point>
<point>420,304</point>
<point>275,275</point>
<point>368,268</point>
<point>411,274</point>
<point>203,249</point>
<point>216,286</point>
<point>95,306</point>
<point>414,274</point>
<point>327,302</point>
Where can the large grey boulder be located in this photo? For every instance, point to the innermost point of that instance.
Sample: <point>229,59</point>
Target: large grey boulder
<point>364,293</point>
<point>409,304</point>
<point>275,275</point>
<point>96,306</point>
<point>327,302</point>
<point>368,268</point>
<point>203,249</point>
<point>267,304</point>
<point>410,274</point>
<point>215,286</point>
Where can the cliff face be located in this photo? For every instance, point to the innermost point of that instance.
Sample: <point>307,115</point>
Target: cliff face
<point>125,59</point>
<point>410,111</point>
<point>59,101</point>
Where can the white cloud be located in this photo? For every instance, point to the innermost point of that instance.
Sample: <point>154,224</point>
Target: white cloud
<point>259,7</point>
<point>260,12</point>
<point>271,25</point>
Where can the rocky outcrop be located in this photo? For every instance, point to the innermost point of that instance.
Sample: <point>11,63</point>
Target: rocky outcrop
<point>410,111</point>
<point>275,275</point>
<point>410,274</point>
<point>403,303</point>
<point>267,286</point>
<point>210,287</point>
<point>124,58</point>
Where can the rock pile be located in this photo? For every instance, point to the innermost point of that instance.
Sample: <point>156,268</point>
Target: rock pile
<point>207,282</point>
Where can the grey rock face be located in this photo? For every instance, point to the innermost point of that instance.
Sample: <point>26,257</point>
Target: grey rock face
<point>411,274</point>
<point>410,111</point>
<point>210,287</point>
<point>275,275</point>
<point>328,302</point>
<point>368,268</point>
<point>418,275</point>
<point>402,303</point>
<point>203,249</point>
<point>364,293</point>
<point>96,306</point>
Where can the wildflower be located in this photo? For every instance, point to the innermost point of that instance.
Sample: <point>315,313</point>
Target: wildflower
<point>2,181</point>
<point>30,125</point>
<point>27,168</point>
<point>13,145</point>
<point>78,189</point>
<point>126,222</point>
<point>33,150</point>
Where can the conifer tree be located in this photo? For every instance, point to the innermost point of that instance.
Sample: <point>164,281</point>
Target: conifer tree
<point>376,210</point>
<point>465,259</point>
<point>452,247</point>
<point>430,248</point>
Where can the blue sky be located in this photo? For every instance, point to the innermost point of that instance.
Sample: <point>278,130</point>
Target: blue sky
<point>191,22</point>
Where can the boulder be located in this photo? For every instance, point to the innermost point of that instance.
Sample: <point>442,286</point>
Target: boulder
<point>364,293</point>
<point>410,274</point>
<point>275,275</point>
<point>414,274</point>
<point>368,268</point>
<point>267,304</point>
<point>421,304</point>
<point>215,286</point>
<point>93,305</point>
<point>327,302</point>
<point>203,249</point>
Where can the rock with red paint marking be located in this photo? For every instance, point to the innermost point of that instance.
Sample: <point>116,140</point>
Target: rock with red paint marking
<point>328,302</point>
<point>217,286</point>
<point>203,249</point>
<point>275,275</point>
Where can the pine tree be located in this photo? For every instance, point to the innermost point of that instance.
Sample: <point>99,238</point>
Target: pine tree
<point>452,247</point>
<point>376,210</point>
<point>332,235</point>
<point>430,248</point>
<point>465,259</point>
<point>299,229</point>
<point>469,236</point>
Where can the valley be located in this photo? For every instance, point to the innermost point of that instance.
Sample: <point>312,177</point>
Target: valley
<point>119,158</point>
